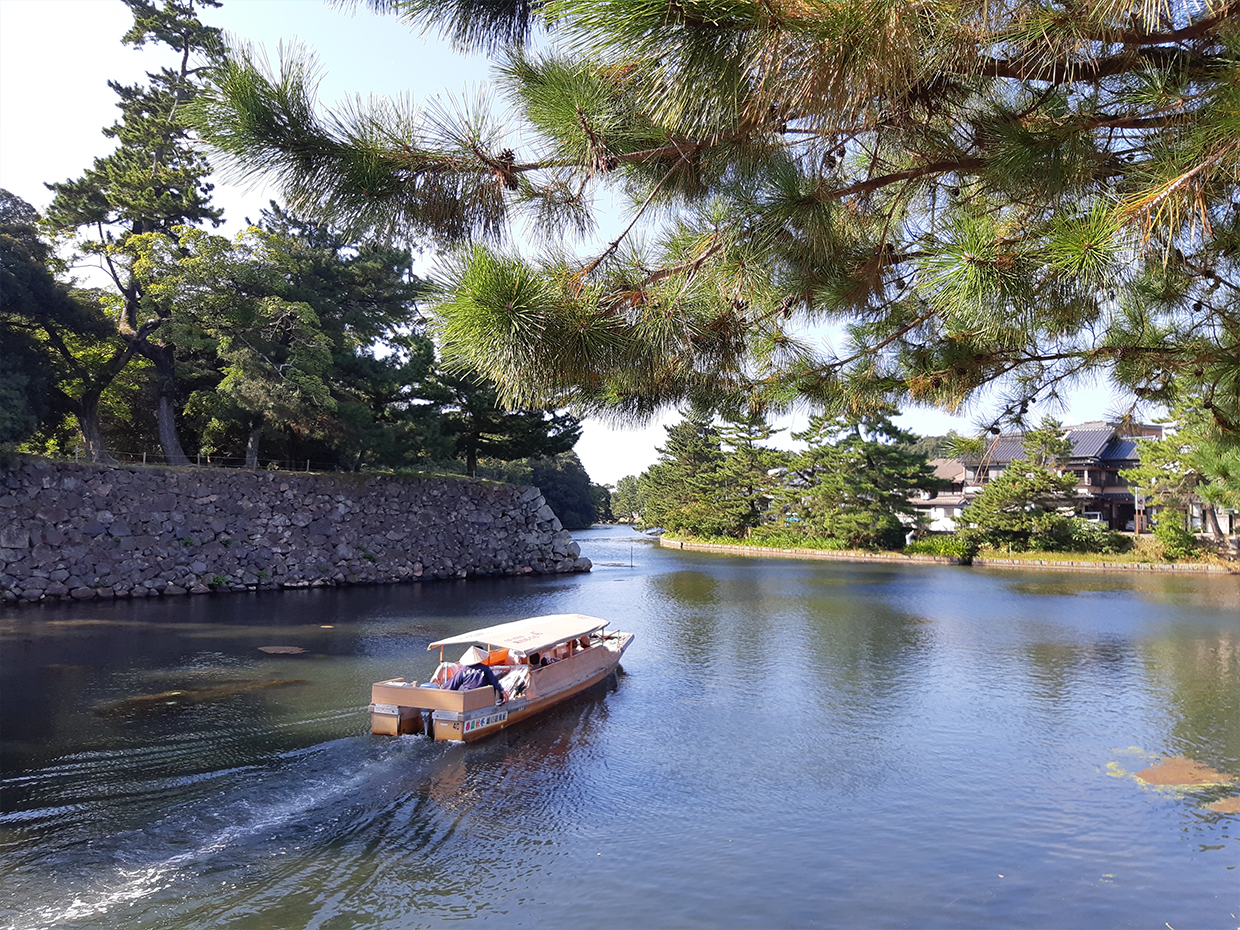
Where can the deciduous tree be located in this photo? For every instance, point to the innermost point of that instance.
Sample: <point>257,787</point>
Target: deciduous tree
<point>39,318</point>
<point>627,500</point>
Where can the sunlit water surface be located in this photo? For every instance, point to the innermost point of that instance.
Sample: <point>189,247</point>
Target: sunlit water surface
<point>799,744</point>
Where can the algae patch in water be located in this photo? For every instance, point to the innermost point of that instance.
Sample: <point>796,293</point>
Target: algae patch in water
<point>1182,777</point>
<point>166,701</point>
<point>1181,772</point>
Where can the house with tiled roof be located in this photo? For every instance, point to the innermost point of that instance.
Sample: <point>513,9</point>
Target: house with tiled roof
<point>940,509</point>
<point>1100,450</point>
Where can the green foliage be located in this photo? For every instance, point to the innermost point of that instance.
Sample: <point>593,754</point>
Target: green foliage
<point>1048,445</point>
<point>932,447</point>
<point>481,426</point>
<point>600,497</point>
<point>742,490</point>
<point>153,182</point>
<point>561,478</point>
<point>39,317</point>
<point>972,195</point>
<point>1009,511</point>
<point>224,298</point>
<point>1196,459</point>
<point>678,487</point>
<point>945,545</point>
<point>782,537</point>
<point>854,481</point>
<point>1056,532</point>
<point>628,500</point>
<point>1176,541</point>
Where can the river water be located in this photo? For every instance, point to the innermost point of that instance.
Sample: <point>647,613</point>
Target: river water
<point>791,744</point>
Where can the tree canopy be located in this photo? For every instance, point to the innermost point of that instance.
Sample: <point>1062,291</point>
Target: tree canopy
<point>855,480</point>
<point>154,182</point>
<point>1189,462</point>
<point>962,194</point>
<point>37,313</point>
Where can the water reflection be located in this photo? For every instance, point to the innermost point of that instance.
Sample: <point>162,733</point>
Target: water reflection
<point>793,744</point>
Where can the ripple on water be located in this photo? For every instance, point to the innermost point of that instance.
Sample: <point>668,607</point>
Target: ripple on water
<point>792,744</point>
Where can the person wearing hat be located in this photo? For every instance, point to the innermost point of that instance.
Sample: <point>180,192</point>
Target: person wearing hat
<point>474,673</point>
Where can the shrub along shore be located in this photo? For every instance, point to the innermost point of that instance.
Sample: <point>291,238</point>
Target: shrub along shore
<point>1051,560</point>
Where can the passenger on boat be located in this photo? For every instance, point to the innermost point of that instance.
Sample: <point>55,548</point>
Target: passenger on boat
<point>469,677</point>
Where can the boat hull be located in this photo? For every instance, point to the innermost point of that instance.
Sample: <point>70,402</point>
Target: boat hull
<point>466,716</point>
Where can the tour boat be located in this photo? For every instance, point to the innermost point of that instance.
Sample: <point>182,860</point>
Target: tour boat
<point>539,662</point>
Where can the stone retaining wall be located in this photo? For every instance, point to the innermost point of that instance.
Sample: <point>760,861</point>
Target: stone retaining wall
<point>85,531</point>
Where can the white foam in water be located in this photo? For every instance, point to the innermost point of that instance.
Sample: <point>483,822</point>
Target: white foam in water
<point>135,885</point>
<point>40,813</point>
<point>132,885</point>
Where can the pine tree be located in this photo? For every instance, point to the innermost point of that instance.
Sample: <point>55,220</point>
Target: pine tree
<point>1019,194</point>
<point>227,301</point>
<point>154,182</point>
<point>364,293</point>
<point>1047,445</point>
<point>1018,505</point>
<point>473,416</point>
<point>278,329</point>
<point>855,480</point>
<point>743,486</point>
<point>1189,463</point>
<point>678,488</point>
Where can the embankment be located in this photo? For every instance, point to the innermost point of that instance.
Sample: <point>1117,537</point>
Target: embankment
<point>852,555</point>
<point>836,555</point>
<point>86,531</point>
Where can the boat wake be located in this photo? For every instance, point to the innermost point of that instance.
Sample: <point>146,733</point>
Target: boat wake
<point>252,810</point>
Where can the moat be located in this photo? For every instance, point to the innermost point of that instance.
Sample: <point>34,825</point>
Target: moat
<point>801,744</point>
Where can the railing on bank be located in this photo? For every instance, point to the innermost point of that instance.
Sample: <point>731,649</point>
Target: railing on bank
<point>206,461</point>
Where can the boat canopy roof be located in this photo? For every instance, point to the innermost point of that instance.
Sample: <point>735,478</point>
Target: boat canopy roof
<point>529,635</point>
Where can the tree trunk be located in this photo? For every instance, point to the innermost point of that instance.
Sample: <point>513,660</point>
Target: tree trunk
<point>87,413</point>
<point>165,416</point>
<point>471,461</point>
<point>1209,516</point>
<point>165,413</point>
<point>251,446</point>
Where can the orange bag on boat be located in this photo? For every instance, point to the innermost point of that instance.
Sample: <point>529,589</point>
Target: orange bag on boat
<point>497,657</point>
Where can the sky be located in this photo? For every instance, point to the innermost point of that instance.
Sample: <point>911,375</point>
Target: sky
<point>56,57</point>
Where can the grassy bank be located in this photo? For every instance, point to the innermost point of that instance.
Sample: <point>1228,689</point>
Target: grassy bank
<point>1146,554</point>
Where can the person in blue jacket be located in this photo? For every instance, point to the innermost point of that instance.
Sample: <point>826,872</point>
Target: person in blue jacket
<point>468,677</point>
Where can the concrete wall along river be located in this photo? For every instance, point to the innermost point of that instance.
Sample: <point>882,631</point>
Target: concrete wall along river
<point>86,531</point>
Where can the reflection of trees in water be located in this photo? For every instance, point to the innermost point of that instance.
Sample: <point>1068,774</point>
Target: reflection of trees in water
<point>866,652</point>
<point>691,608</point>
<point>793,630</point>
<point>1057,669</point>
<point>1200,678</point>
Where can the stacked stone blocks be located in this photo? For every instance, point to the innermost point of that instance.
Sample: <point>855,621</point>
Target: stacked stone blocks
<point>88,531</point>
